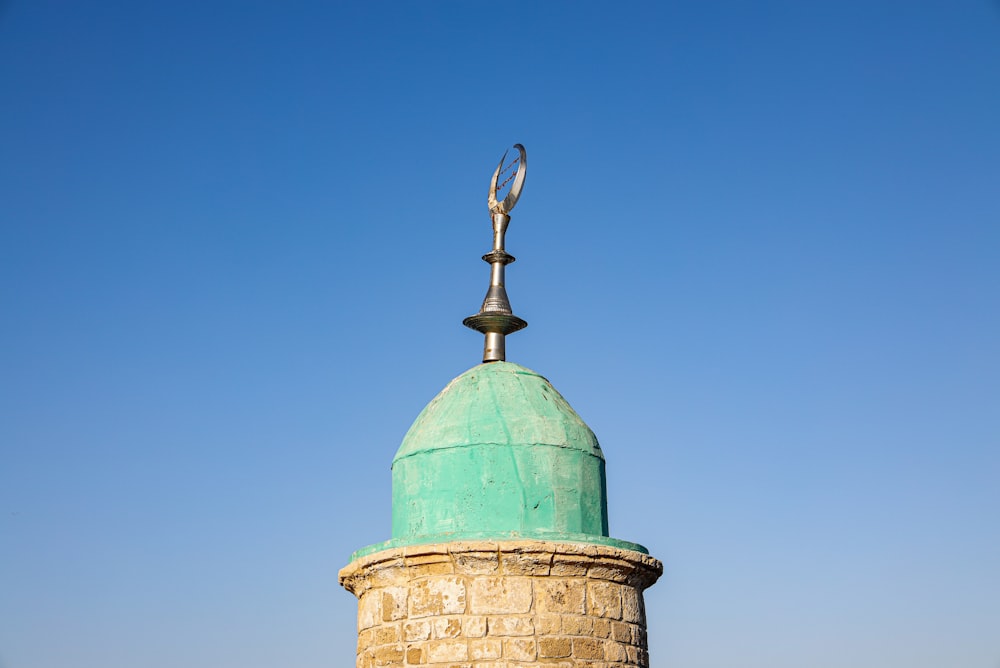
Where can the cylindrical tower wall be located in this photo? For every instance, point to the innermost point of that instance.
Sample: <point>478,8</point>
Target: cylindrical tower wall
<point>485,603</point>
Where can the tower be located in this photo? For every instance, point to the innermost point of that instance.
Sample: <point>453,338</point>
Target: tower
<point>500,552</point>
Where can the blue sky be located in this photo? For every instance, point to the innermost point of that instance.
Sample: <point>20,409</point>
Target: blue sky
<point>757,249</point>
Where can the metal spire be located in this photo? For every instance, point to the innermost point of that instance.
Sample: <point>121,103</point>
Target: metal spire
<point>496,319</point>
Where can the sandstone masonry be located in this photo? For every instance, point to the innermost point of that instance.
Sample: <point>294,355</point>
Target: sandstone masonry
<point>479,604</point>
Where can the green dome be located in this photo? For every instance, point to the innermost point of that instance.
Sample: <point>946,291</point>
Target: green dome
<point>499,454</point>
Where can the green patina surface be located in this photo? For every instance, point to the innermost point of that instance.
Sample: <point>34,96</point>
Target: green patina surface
<point>499,454</point>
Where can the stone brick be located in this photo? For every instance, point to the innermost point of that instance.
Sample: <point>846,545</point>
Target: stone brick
<point>425,565</point>
<point>562,596</point>
<point>366,659</point>
<point>548,625</point>
<point>369,612</point>
<point>632,607</point>
<point>532,563</point>
<point>633,655</point>
<point>414,655</point>
<point>500,595</point>
<point>634,630</point>
<point>389,574</point>
<point>511,626</point>
<point>473,626</point>
<point>418,630</point>
<point>447,627</point>
<point>588,648</point>
<point>432,568</point>
<point>554,648</point>
<point>602,628</point>
<point>388,655</point>
<point>431,557</point>
<point>485,648</point>
<point>365,639</point>
<point>604,599</point>
<point>443,651</point>
<point>621,632</point>
<point>437,596</point>
<point>394,603</point>
<point>612,570</point>
<point>570,565</point>
<point>477,563</point>
<point>386,635</point>
<point>643,657</point>
<point>519,649</point>
<point>577,626</point>
<point>639,635</point>
<point>615,651</point>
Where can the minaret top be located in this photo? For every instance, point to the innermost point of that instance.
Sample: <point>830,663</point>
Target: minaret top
<point>499,454</point>
<point>495,318</point>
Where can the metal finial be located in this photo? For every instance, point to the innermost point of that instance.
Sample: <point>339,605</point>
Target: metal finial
<point>496,319</point>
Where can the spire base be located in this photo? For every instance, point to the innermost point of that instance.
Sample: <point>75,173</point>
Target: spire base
<point>496,326</point>
<point>501,323</point>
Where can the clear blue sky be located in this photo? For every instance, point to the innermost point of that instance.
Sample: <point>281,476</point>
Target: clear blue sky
<point>758,249</point>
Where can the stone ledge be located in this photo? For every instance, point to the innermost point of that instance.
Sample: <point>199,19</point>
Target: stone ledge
<point>531,558</point>
<point>502,537</point>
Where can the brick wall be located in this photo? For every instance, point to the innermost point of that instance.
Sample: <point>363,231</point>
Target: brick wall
<point>510,603</point>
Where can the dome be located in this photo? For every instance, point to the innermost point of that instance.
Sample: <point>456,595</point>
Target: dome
<point>499,454</point>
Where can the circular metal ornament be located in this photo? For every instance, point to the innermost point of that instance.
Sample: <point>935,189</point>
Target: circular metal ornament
<point>503,176</point>
<point>502,323</point>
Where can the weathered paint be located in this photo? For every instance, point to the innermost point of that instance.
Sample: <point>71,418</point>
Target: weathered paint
<point>499,453</point>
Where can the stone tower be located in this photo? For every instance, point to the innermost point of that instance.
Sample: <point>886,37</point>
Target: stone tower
<point>500,553</point>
